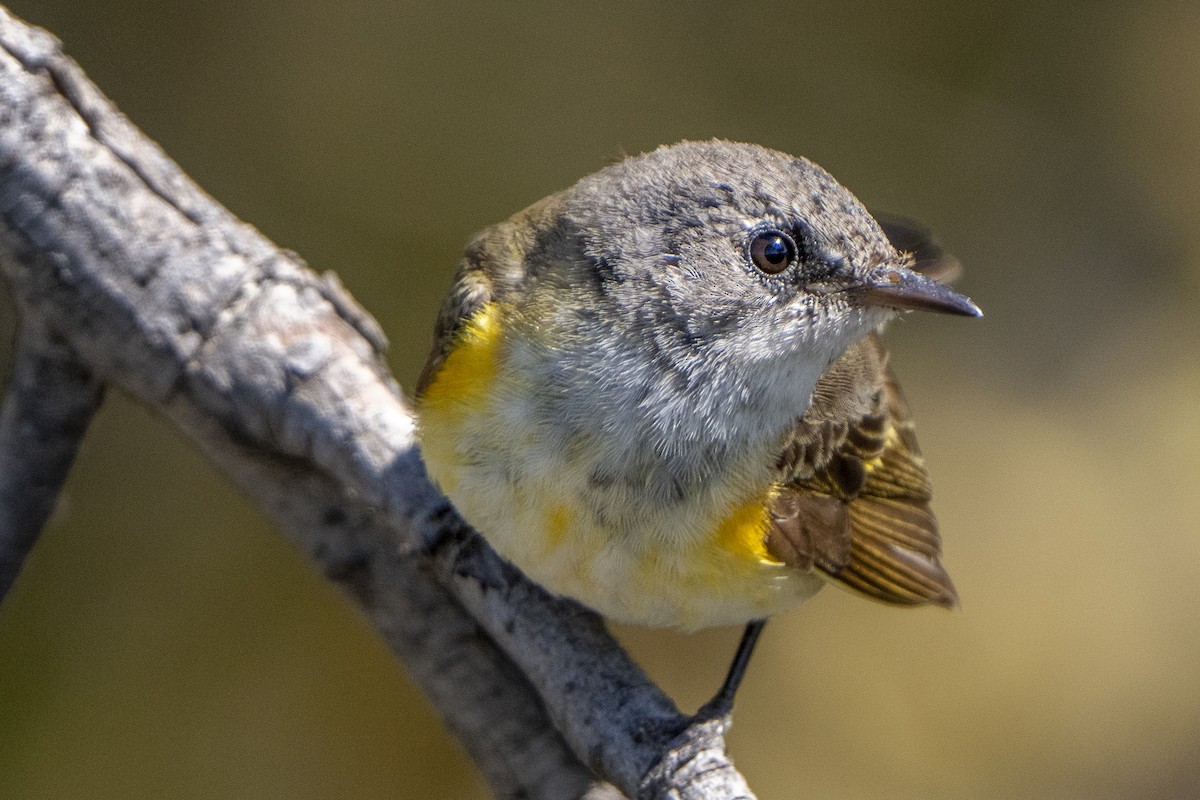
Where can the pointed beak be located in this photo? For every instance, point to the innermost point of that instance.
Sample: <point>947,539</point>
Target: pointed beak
<point>905,290</point>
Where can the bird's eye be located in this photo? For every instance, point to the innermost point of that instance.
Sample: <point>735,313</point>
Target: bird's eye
<point>772,251</point>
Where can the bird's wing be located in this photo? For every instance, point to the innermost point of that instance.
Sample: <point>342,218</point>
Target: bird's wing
<point>854,494</point>
<point>912,237</point>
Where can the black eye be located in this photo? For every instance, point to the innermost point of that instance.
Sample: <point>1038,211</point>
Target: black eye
<point>772,251</point>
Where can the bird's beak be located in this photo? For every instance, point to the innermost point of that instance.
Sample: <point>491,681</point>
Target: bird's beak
<point>903,289</point>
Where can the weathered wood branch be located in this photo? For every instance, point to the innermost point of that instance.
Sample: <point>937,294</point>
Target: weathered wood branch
<point>134,279</point>
<point>50,401</point>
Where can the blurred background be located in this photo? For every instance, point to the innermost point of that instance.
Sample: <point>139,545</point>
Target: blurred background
<point>164,641</point>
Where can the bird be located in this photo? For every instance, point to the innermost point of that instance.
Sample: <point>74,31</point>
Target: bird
<point>663,393</point>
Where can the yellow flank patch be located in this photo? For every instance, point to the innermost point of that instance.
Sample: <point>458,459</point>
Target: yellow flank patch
<point>460,388</point>
<point>470,367</point>
<point>743,533</point>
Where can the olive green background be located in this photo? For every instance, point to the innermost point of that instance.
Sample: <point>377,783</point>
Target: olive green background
<point>164,641</point>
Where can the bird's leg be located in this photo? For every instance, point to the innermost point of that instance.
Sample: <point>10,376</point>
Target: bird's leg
<point>722,702</point>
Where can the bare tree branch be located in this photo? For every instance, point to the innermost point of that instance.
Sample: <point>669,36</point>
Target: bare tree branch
<point>275,373</point>
<point>481,696</point>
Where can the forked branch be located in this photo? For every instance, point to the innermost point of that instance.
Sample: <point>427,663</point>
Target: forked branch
<point>128,276</point>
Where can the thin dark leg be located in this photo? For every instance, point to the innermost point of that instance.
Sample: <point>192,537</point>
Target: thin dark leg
<point>722,702</point>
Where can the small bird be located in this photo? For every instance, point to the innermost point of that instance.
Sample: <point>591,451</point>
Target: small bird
<point>663,393</point>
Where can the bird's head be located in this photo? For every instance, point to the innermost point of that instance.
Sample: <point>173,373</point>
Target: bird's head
<point>741,248</point>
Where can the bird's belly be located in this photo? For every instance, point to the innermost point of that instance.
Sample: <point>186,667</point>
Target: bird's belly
<point>680,565</point>
<point>648,579</point>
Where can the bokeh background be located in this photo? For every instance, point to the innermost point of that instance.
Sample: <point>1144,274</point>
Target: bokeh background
<point>164,641</point>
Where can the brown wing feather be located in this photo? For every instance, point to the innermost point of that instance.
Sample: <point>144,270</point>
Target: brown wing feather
<point>855,494</point>
<point>912,237</point>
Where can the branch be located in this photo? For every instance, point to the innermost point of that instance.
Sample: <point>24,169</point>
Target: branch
<point>276,374</point>
<point>480,695</point>
<point>50,401</point>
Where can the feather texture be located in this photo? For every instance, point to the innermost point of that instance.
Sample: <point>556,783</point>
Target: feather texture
<point>854,494</point>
